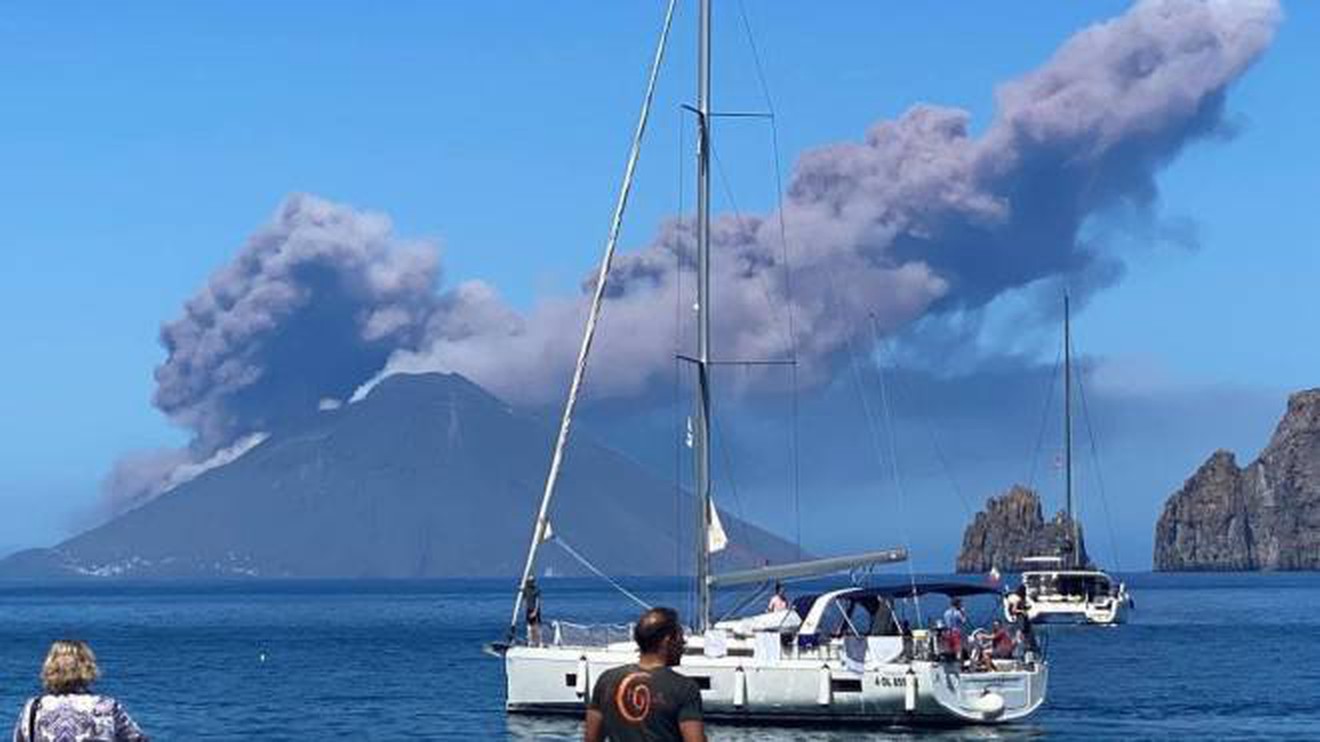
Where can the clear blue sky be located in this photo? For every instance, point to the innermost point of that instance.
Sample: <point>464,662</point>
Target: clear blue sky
<point>140,144</point>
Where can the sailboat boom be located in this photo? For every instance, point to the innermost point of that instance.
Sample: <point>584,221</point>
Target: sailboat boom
<point>812,568</point>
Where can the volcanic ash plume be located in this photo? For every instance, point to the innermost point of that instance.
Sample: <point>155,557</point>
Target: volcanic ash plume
<point>313,304</point>
<point>917,219</point>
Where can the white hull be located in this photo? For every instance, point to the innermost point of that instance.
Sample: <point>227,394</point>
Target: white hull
<point>1105,612</point>
<point>1105,608</point>
<point>790,689</point>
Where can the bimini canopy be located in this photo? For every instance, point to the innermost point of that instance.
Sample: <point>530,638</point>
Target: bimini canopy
<point>803,604</point>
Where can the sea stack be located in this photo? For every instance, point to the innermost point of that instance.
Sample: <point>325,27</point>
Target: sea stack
<point>1262,517</point>
<point>1012,527</point>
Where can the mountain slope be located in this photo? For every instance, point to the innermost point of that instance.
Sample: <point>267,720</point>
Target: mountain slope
<point>428,476</point>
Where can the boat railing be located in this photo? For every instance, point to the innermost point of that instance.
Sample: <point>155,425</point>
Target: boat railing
<point>568,634</point>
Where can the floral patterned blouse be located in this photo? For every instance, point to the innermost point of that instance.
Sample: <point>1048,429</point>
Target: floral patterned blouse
<point>76,717</point>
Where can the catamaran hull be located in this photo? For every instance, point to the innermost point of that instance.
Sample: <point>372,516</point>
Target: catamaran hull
<point>1102,616</point>
<point>1111,612</point>
<point>557,680</point>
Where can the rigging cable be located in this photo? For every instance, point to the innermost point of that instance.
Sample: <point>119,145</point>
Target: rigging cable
<point>875,441</point>
<point>1044,419</point>
<point>678,348</point>
<point>1099,476</point>
<point>765,291</point>
<point>743,225</point>
<point>893,465</point>
<point>788,274</point>
<point>733,484</point>
<point>585,563</point>
<point>935,444</point>
<point>830,273</point>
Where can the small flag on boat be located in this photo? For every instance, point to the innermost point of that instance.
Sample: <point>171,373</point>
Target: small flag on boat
<point>993,575</point>
<point>547,533</point>
<point>716,539</point>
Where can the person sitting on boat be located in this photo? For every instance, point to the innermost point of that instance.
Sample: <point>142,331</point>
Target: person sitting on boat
<point>954,621</point>
<point>981,659</point>
<point>778,601</point>
<point>1002,645</point>
<point>532,602</point>
<point>647,700</point>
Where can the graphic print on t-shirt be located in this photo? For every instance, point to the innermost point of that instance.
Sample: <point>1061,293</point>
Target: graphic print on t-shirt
<point>633,698</point>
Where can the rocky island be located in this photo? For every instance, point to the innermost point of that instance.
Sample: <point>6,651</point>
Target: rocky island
<point>1265,516</point>
<point>1012,527</point>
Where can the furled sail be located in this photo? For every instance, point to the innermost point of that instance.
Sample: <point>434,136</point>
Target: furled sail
<point>716,538</point>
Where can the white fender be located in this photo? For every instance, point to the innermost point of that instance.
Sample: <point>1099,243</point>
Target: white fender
<point>824,695</point>
<point>582,687</point>
<point>910,690</point>
<point>739,688</point>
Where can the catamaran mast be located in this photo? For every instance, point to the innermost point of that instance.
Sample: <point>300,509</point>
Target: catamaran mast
<point>1074,557</point>
<point>701,437</point>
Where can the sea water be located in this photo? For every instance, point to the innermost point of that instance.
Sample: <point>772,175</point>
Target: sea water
<point>1205,656</point>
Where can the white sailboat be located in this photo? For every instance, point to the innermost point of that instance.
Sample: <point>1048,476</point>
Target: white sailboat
<point>839,656</point>
<point>1063,589</point>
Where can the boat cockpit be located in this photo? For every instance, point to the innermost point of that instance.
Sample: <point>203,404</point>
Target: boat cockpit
<point>1073,585</point>
<point>888,621</point>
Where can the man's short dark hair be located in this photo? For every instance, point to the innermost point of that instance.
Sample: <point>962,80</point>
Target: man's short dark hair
<point>653,627</point>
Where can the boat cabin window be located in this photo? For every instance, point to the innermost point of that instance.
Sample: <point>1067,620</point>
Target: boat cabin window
<point>869,616</point>
<point>1049,584</point>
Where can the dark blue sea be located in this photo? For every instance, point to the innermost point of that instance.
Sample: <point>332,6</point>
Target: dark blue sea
<point>1206,656</point>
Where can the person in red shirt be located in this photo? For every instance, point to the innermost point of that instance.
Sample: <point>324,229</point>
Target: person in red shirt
<point>1001,642</point>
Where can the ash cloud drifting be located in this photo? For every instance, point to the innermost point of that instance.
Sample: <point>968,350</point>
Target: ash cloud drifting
<point>315,302</point>
<point>918,219</point>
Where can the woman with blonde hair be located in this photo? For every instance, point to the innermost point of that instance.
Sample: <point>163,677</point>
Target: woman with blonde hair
<point>68,709</point>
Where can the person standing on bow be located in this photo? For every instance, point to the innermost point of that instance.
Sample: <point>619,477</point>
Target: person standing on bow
<point>778,601</point>
<point>532,603</point>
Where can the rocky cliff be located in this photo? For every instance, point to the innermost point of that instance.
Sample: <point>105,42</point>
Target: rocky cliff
<point>1012,527</point>
<point>1262,517</point>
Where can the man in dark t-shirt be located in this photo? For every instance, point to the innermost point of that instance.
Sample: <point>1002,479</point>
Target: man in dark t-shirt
<point>646,700</point>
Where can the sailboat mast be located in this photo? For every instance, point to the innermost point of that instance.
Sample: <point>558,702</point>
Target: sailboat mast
<point>1074,556</point>
<point>541,530</point>
<point>701,442</point>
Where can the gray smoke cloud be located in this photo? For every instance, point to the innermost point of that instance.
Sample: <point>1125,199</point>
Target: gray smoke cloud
<point>314,303</point>
<point>918,219</point>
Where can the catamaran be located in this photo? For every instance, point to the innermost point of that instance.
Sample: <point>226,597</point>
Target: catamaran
<point>1062,588</point>
<point>836,656</point>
